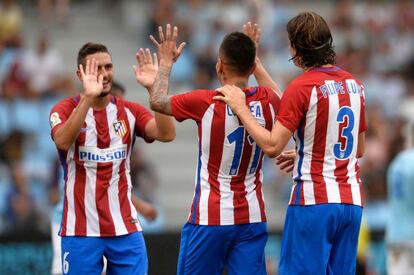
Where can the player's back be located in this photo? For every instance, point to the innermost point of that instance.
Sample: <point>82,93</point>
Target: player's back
<point>400,183</point>
<point>228,177</point>
<point>332,106</point>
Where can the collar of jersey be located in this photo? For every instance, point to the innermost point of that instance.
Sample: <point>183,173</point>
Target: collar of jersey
<point>325,69</point>
<point>77,98</point>
<point>251,91</point>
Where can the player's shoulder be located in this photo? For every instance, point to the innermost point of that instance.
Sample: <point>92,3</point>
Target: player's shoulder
<point>67,103</point>
<point>265,92</point>
<point>347,75</point>
<point>303,84</point>
<point>204,92</point>
<point>197,95</point>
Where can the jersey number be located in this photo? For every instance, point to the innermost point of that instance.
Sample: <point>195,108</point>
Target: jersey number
<point>237,137</point>
<point>343,148</point>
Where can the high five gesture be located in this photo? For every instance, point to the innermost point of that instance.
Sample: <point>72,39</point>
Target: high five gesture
<point>147,68</point>
<point>167,47</point>
<point>92,82</point>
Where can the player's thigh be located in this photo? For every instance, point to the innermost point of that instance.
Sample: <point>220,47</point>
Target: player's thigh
<point>203,249</point>
<point>306,241</point>
<point>82,255</point>
<point>400,259</point>
<point>342,260</point>
<point>56,260</point>
<point>126,254</point>
<point>247,254</point>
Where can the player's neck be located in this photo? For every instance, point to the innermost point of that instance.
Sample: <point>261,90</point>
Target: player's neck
<point>100,102</point>
<point>240,82</point>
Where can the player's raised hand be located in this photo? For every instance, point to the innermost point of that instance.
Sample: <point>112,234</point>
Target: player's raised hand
<point>232,96</point>
<point>147,69</point>
<point>286,160</point>
<point>167,49</point>
<point>92,82</point>
<point>253,31</point>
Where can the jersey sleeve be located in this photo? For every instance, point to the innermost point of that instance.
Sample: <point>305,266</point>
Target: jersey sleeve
<point>142,117</point>
<point>362,123</point>
<point>292,107</point>
<point>274,100</point>
<point>60,114</point>
<point>191,105</point>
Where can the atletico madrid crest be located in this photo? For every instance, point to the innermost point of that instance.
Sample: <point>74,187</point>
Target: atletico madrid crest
<point>120,128</point>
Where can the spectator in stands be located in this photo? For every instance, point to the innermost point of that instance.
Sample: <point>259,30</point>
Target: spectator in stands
<point>43,68</point>
<point>11,20</point>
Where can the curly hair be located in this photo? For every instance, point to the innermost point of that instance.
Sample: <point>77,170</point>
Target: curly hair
<point>310,36</point>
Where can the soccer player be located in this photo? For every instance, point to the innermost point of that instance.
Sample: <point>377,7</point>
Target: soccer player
<point>324,110</point>
<point>94,133</point>
<point>227,222</point>
<point>146,209</point>
<point>400,227</point>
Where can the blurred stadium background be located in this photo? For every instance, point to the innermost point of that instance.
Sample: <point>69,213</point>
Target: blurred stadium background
<point>39,41</point>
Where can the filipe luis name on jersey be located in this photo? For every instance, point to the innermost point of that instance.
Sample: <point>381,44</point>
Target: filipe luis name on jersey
<point>332,87</point>
<point>94,154</point>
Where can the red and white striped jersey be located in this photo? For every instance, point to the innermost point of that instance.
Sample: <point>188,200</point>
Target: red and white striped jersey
<point>96,168</point>
<point>324,108</point>
<point>228,181</point>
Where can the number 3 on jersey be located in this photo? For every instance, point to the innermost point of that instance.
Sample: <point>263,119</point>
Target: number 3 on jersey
<point>237,137</point>
<point>343,148</point>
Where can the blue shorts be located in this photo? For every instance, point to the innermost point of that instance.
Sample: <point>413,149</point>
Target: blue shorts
<point>125,255</point>
<point>320,239</point>
<point>206,249</point>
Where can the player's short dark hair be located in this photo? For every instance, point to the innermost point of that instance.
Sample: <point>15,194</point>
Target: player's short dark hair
<point>88,49</point>
<point>310,35</point>
<point>238,51</point>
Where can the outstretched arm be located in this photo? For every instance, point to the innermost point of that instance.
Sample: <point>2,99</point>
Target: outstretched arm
<point>271,142</point>
<point>66,135</point>
<point>168,53</point>
<point>162,127</point>
<point>262,76</point>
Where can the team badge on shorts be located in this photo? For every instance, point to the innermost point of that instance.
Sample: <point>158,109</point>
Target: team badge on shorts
<point>120,128</point>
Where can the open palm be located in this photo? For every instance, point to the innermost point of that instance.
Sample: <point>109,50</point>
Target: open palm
<point>92,82</point>
<point>147,69</point>
<point>253,31</point>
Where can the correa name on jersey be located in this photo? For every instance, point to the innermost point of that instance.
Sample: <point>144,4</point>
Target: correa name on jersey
<point>255,108</point>
<point>94,154</point>
<point>337,87</point>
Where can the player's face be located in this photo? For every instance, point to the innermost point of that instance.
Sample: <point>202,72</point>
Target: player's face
<point>105,68</point>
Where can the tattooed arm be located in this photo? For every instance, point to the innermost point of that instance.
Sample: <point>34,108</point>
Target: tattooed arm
<point>168,53</point>
<point>159,98</point>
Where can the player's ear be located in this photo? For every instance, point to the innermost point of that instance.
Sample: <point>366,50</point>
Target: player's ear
<point>219,66</point>
<point>79,74</point>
